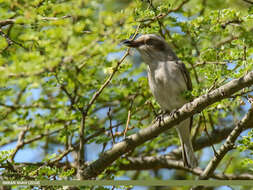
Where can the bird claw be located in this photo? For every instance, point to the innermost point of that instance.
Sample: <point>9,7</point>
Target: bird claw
<point>174,111</point>
<point>160,116</point>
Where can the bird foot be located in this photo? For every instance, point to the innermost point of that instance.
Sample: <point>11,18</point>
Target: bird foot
<point>174,111</point>
<point>160,116</point>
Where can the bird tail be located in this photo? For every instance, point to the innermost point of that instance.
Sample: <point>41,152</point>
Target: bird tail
<point>183,130</point>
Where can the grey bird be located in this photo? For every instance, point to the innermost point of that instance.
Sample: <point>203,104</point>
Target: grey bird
<point>168,79</point>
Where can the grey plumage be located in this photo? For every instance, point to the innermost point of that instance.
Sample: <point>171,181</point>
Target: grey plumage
<point>168,79</point>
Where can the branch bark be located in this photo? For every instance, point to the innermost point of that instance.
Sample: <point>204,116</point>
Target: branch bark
<point>216,136</point>
<point>165,161</point>
<point>170,161</point>
<point>188,110</point>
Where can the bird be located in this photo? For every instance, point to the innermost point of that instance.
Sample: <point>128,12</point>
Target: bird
<point>168,79</point>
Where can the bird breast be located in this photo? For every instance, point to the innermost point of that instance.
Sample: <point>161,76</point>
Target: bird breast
<point>167,85</point>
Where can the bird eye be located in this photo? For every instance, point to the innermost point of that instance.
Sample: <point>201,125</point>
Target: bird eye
<point>149,42</point>
<point>156,44</point>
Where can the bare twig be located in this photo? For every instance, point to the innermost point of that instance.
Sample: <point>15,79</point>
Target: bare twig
<point>61,156</point>
<point>115,69</point>
<point>127,123</point>
<point>227,165</point>
<point>129,114</point>
<point>92,100</point>
<point>21,140</point>
<point>205,128</point>
<point>55,18</point>
<point>196,130</point>
<point>110,120</point>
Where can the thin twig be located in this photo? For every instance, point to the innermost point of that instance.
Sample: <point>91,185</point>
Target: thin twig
<point>21,140</point>
<point>162,15</point>
<point>92,100</point>
<point>110,120</point>
<point>168,162</point>
<point>195,132</point>
<point>55,18</point>
<point>10,41</point>
<point>7,22</point>
<point>224,25</point>
<point>127,123</point>
<point>157,19</point>
<point>205,128</point>
<point>228,145</point>
<point>227,165</point>
<point>129,115</point>
<point>209,62</point>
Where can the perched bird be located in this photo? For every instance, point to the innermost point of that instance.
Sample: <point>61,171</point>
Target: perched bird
<point>168,79</point>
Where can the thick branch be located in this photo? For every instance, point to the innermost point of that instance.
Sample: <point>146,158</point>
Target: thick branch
<point>168,161</point>
<point>158,162</point>
<point>188,110</point>
<point>216,136</point>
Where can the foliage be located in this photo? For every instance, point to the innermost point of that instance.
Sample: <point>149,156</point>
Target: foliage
<point>55,55</point>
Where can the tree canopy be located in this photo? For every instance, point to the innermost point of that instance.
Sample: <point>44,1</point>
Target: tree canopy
<point>75,103</point>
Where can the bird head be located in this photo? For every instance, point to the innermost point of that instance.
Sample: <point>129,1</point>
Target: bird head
<point>151,47</point>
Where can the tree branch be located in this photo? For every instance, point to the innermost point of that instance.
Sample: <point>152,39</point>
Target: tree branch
<point>12,21</point>
<point>22,142</point>
<point>228,145</point>
<point>162,15</point>
<point>215,137</point>
<point>159,162</point>
<point>7,22</point>
<point>188,110</point>
<point>87,108</point>
<point>165,161</point>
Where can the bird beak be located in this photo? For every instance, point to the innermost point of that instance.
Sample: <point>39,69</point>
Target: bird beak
<point>131,43</point>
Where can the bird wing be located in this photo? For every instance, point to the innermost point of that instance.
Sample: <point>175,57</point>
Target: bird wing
<point>185,74</point>
<point>188,82</point>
